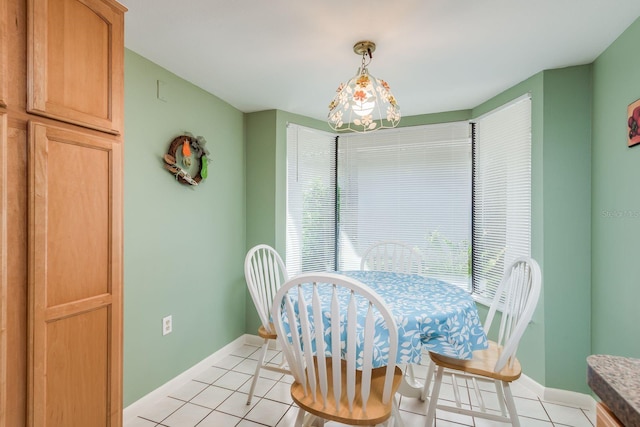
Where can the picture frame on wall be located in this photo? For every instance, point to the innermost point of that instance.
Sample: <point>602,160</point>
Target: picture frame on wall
<point>633,124</point>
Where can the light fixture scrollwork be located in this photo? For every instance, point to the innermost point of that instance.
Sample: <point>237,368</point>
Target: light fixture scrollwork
<point>365,103</point>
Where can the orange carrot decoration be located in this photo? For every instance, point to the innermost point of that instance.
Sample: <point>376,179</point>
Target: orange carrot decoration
<point>186,149</point>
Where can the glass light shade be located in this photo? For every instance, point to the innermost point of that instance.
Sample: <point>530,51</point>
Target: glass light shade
<point>363,104</point>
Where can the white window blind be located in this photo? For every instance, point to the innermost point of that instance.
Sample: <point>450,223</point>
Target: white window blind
<point>501,193</point>
<point>311,206</point>
<point>410,184</point>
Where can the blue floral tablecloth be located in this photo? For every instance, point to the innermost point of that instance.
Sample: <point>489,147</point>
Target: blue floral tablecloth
<point>430,314</point>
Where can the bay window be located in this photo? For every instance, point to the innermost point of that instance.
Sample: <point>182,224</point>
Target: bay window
<point>458,192</point>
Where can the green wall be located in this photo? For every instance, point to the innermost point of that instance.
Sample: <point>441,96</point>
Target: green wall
<point>567,226</point>
<point>183,245</point>
<point>266,138</point>
<point>260,176</point>
<point>615,201</point>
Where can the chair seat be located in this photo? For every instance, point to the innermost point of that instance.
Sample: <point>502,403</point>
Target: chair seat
<point>376,413</point>
<point>264,334</point>
<point>482,363</point>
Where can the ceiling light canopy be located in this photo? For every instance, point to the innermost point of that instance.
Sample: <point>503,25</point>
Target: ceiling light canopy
<point>364,103</point>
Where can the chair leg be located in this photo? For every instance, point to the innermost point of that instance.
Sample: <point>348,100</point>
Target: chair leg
<point>256,375</point>
<point>300,419</point>
<point>433,400</point>
<point>456,390</point>
<point>283,362</point>
<point>501,398</point>
<point>309,420</point>
<point>511,404</point>
<point>395,420</point>
<point>409,372</point>
<point>427,381</point>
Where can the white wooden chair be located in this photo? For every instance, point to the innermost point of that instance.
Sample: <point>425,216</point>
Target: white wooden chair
<point>397,257</point>
<point>394,256</point>
<point>264,272</point>
<point>327,383</point>
<point>518,295</point>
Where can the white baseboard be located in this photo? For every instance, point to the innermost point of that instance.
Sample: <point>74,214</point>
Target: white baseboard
<point>253,340</point>
<point>257,341</point>
<point>556,395</point>
<point>139,406</point>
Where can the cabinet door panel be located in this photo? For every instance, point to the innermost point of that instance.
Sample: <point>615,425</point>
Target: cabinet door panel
<point>75,280</point>
<point>76,62</point>
<point>77,178</point>
<point>71,399</point>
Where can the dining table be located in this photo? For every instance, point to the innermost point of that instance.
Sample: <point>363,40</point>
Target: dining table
<point>430,314</point>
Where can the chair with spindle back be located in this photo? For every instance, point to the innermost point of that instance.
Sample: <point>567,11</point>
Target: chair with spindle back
<point>264,273</point>
<point>517,296</point>
<point>327,325</point>
<point>393,256</point>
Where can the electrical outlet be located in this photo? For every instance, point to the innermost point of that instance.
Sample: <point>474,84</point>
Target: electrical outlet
<point>167,325</point>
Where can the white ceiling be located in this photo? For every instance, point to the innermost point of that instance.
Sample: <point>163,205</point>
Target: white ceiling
<point>437,55</point>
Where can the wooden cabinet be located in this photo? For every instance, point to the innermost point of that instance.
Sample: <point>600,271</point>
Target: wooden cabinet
<point>605,418</point>
<point>61,145</point>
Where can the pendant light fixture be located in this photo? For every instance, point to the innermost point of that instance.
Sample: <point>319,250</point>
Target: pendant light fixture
<point>364,103</point>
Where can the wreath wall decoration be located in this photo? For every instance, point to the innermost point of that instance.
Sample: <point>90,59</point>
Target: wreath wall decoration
<point>184,151</point>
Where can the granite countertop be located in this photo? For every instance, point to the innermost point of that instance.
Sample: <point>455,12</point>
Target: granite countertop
<point>616,381</point>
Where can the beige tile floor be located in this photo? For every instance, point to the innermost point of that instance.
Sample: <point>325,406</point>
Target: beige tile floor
<point>217,396</point>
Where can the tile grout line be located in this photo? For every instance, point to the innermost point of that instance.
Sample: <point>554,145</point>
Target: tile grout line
<point>230,369</point>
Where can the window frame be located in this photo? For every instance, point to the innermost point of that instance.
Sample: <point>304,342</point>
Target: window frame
<point>473,287</point>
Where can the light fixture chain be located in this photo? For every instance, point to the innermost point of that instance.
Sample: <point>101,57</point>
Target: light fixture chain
<point>364,63</point>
